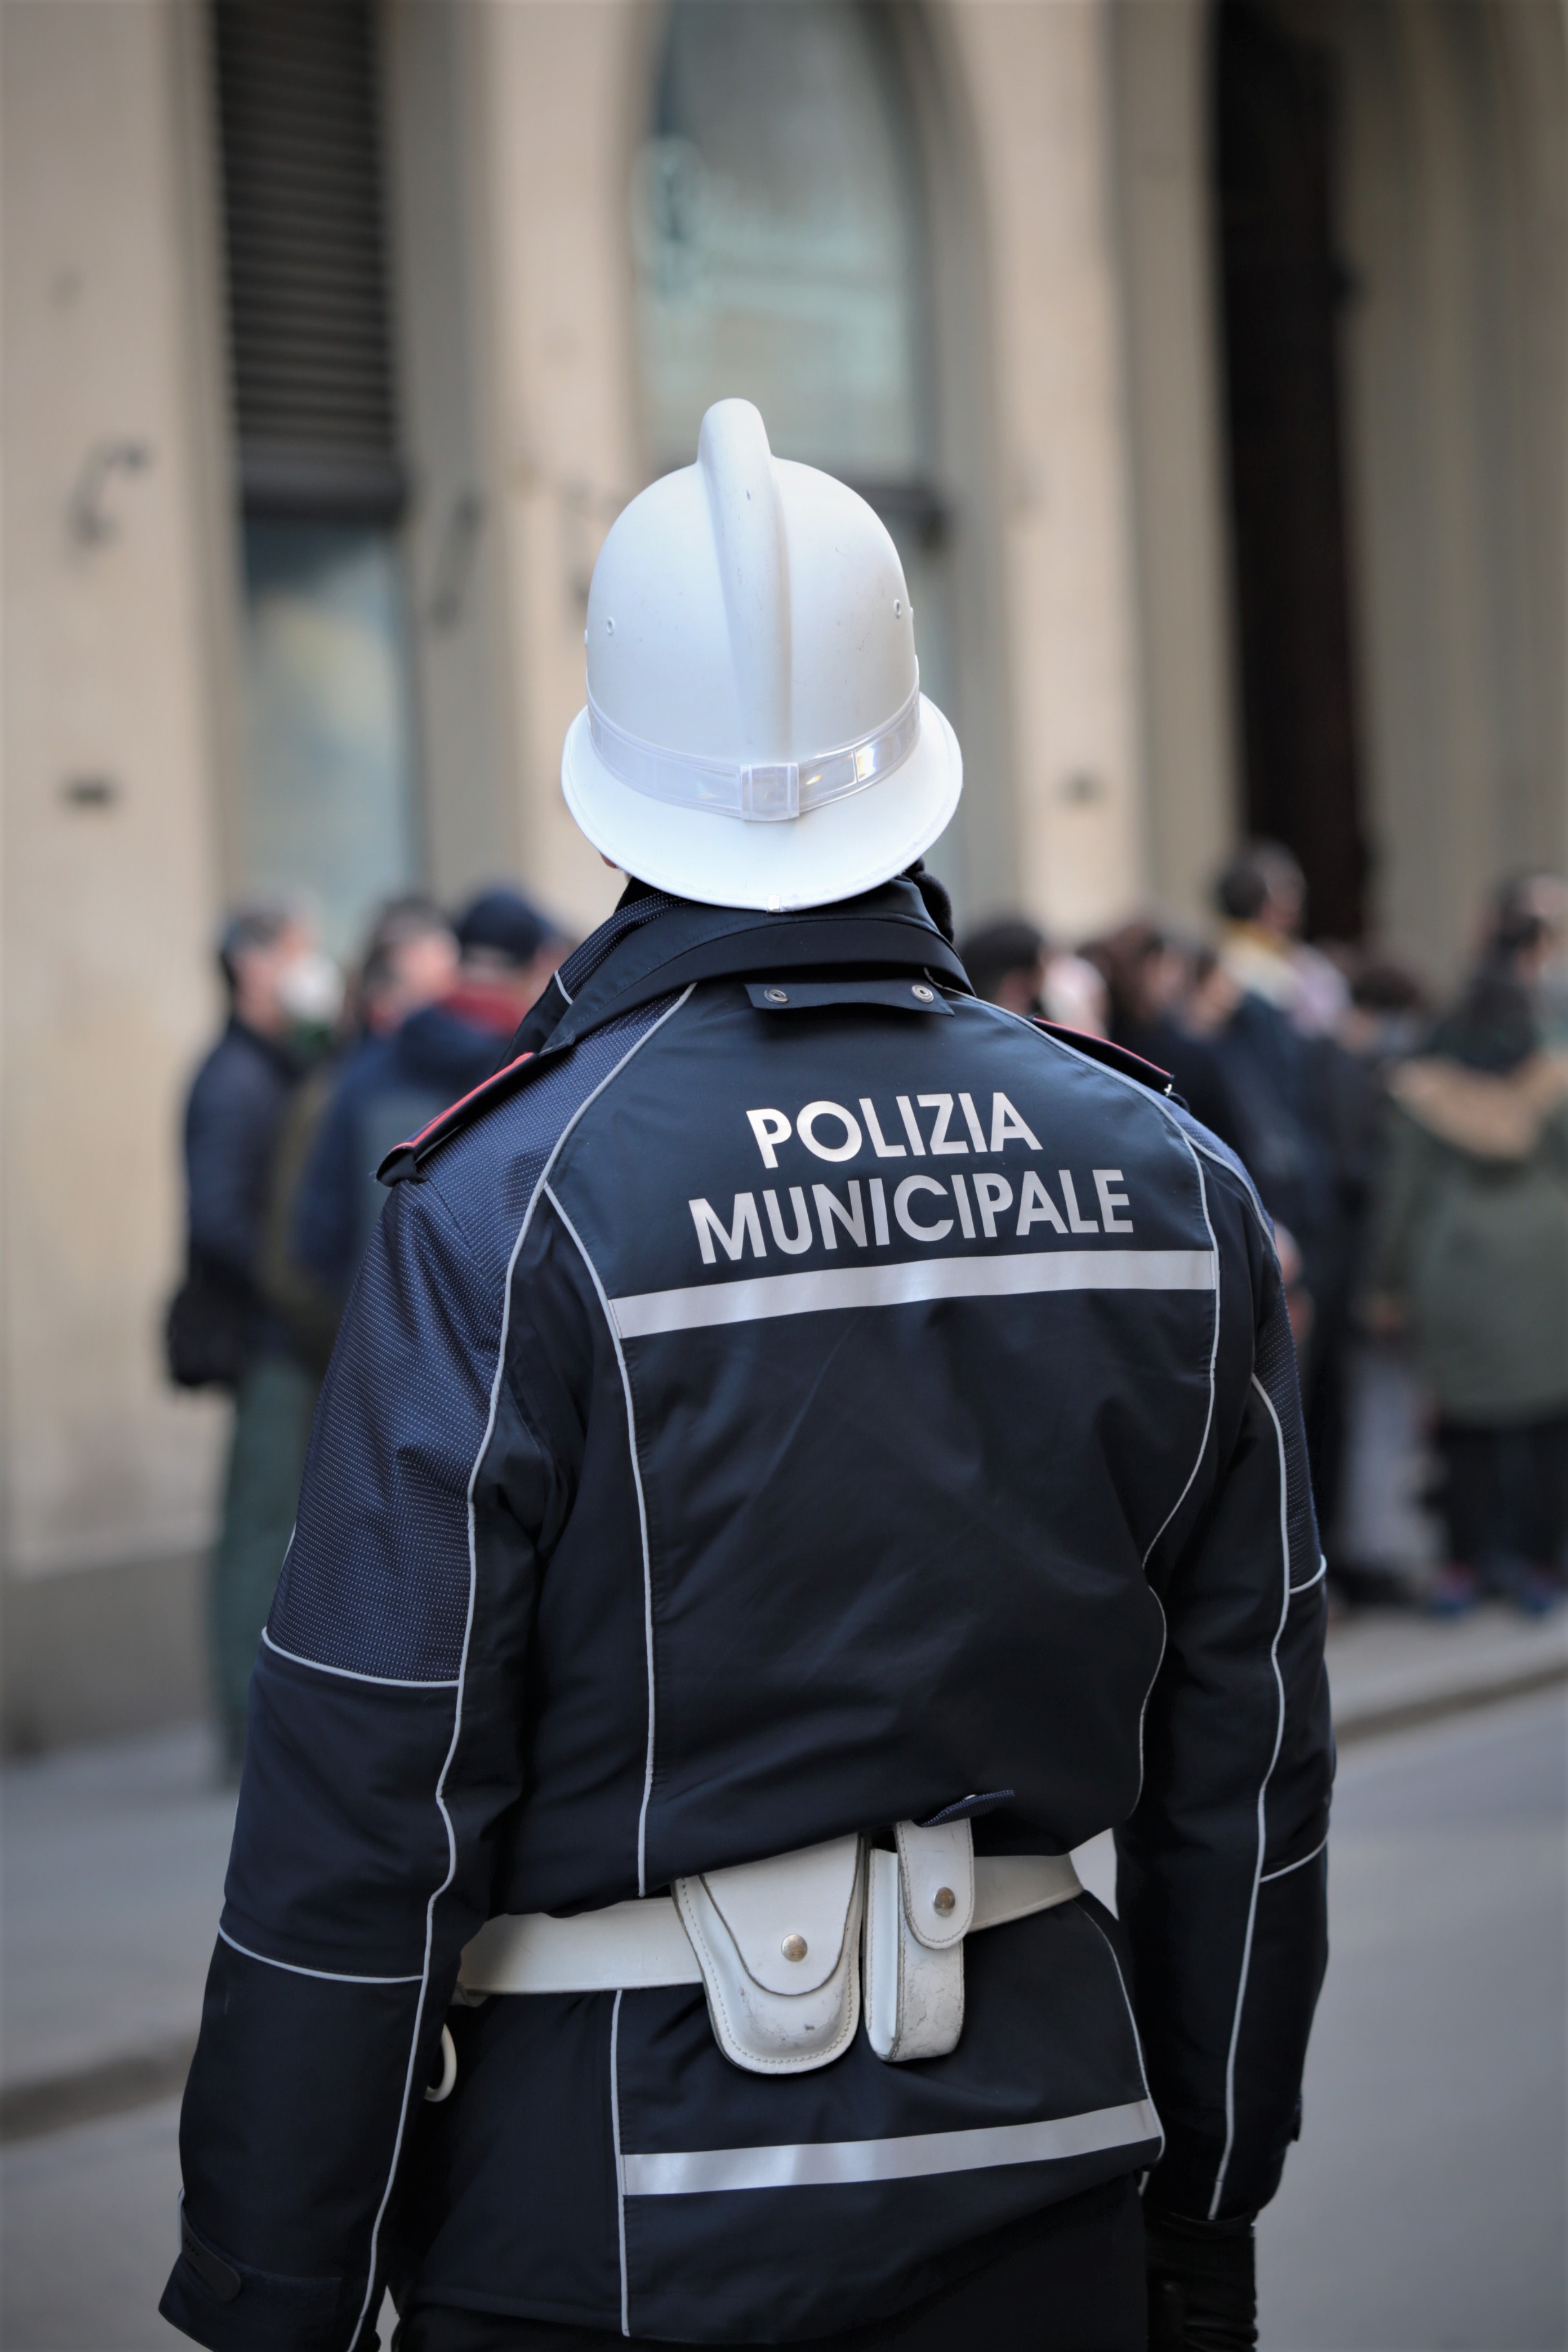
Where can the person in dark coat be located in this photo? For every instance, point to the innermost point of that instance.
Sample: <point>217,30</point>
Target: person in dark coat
<point>506,950</point>
<point>1471,1255</point>
<point>418,1054</point>
<point>281,990</point>
<point>807,1451</point>
<point>1147,976</point>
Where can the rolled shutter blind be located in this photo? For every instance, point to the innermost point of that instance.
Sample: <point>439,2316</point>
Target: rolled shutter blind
<point>310,315</point>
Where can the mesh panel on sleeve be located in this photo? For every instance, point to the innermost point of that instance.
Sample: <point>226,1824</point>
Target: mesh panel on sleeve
<point>376,1581</point>
<point>1210,1145</point>
<point>1275,1366</point>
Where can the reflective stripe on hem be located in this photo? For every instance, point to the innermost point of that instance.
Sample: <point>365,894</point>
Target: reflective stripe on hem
<point>1021,1272</point>
<point>827,2164</point>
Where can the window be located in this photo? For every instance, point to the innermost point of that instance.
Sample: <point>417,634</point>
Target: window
<point>778,232</point>
<point>328,789</point>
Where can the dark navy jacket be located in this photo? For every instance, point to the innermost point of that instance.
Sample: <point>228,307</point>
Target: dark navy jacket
<point>233,1117</point>
<point>796,1398</point>
<point>388,1087</point>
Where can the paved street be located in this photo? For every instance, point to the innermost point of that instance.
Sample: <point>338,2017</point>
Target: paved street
<point>1424,2207</point>
<point>1422,2210</point>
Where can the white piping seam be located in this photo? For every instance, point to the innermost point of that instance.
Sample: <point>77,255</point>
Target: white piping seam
<point>1132,2022</point>
<point>1254,1198</point>
<point>1160,1104</point>
<point>1172,1115</point>
<point>561,984</point>
<point>1285,1546</point>
<point>642,1532</point>
<point>1262,1793</point>
<point>1198,1459</point>
<point>1308,1581</point>
<point>383,1682</point>
<point>328,1976</point>
<point>620,2165</point>
<point>543,1177</point>
<point>1285,1868</point>
<point>1214,1352</point>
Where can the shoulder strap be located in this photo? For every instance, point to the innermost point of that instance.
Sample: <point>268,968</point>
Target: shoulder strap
<point>405,1160</point>
<point>1115,1057</point>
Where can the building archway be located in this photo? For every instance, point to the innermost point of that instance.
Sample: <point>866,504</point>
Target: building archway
<point>782,227</point>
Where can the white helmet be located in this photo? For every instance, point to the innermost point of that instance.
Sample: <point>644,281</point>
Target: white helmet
<point>755,735</point>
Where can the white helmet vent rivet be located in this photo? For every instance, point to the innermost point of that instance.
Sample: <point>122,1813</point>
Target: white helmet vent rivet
<point>794,1946</point>
<point>609,626</point>
<point>898,606</point>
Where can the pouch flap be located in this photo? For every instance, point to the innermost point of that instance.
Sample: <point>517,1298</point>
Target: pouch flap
<point>936,1866</point>
<point>793,1903</point>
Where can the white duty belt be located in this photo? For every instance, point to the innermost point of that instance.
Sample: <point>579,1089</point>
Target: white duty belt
<point>781,1947</point>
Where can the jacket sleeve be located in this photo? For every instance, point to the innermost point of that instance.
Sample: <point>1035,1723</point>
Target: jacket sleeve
<point>383,1748</point>
<point>1221,1880</point>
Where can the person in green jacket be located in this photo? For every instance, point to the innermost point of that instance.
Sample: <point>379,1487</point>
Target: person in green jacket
<point>1471,1255</point>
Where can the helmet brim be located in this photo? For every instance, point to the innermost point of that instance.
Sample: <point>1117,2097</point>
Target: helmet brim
<point>814,860</point>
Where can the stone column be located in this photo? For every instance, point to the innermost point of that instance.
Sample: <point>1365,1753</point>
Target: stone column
<point>115,589</point>
<point>1039,88</point>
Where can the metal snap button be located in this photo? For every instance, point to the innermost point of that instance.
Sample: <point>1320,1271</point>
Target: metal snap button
<point>926,995</point>
<point>776,995</point>
<point>793,1948</point>
<point>943,1900</point>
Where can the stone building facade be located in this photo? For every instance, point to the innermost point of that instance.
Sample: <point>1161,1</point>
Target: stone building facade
<point>1205,358</point>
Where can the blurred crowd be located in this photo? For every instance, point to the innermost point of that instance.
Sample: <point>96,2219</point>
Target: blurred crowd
<point>1413,1159</point>
<point>314,1079</point>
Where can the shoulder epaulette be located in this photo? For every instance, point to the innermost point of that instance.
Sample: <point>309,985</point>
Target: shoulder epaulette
<point>405,1159</point>
<point>1115,1057</point>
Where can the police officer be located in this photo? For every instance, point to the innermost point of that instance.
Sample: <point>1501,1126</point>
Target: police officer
<point>807,1450</point>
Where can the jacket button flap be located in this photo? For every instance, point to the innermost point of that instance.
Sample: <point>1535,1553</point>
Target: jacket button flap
<point>937,1867</point>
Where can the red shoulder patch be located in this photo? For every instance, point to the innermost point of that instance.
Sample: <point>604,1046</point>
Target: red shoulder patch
<point>402,1161</point>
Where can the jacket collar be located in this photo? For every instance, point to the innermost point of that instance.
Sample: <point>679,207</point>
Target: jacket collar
<point>653,944</point>
<point>679,941</point>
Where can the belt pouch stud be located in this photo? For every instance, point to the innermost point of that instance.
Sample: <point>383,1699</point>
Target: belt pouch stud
<point>920,1904</point>
<point>778,1943</point>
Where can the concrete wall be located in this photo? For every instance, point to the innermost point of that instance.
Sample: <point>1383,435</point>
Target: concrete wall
<point>1039,80</point>
<point>1170,321</point>
<point>113,601</point>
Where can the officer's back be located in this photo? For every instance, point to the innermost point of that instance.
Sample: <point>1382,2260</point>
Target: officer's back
<point>806,1450</point>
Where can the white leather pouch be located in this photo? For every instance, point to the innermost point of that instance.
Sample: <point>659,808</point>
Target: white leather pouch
<point>778,1943</point>
<point>919,1906</point>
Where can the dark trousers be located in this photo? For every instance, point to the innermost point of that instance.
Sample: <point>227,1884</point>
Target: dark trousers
<point>1068,2280</point>
<point>273,1413</point>
<point>1505,1496</point>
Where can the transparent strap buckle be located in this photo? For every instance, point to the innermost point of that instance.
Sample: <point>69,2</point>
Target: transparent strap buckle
<point>771,791</point>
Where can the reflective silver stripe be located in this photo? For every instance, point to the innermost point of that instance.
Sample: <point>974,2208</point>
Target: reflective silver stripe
<point>765,791</point>
<point>1017,1275</point>
<point>827,2164</point>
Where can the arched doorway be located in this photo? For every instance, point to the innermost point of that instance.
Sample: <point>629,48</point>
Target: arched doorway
<point>780,236</point>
